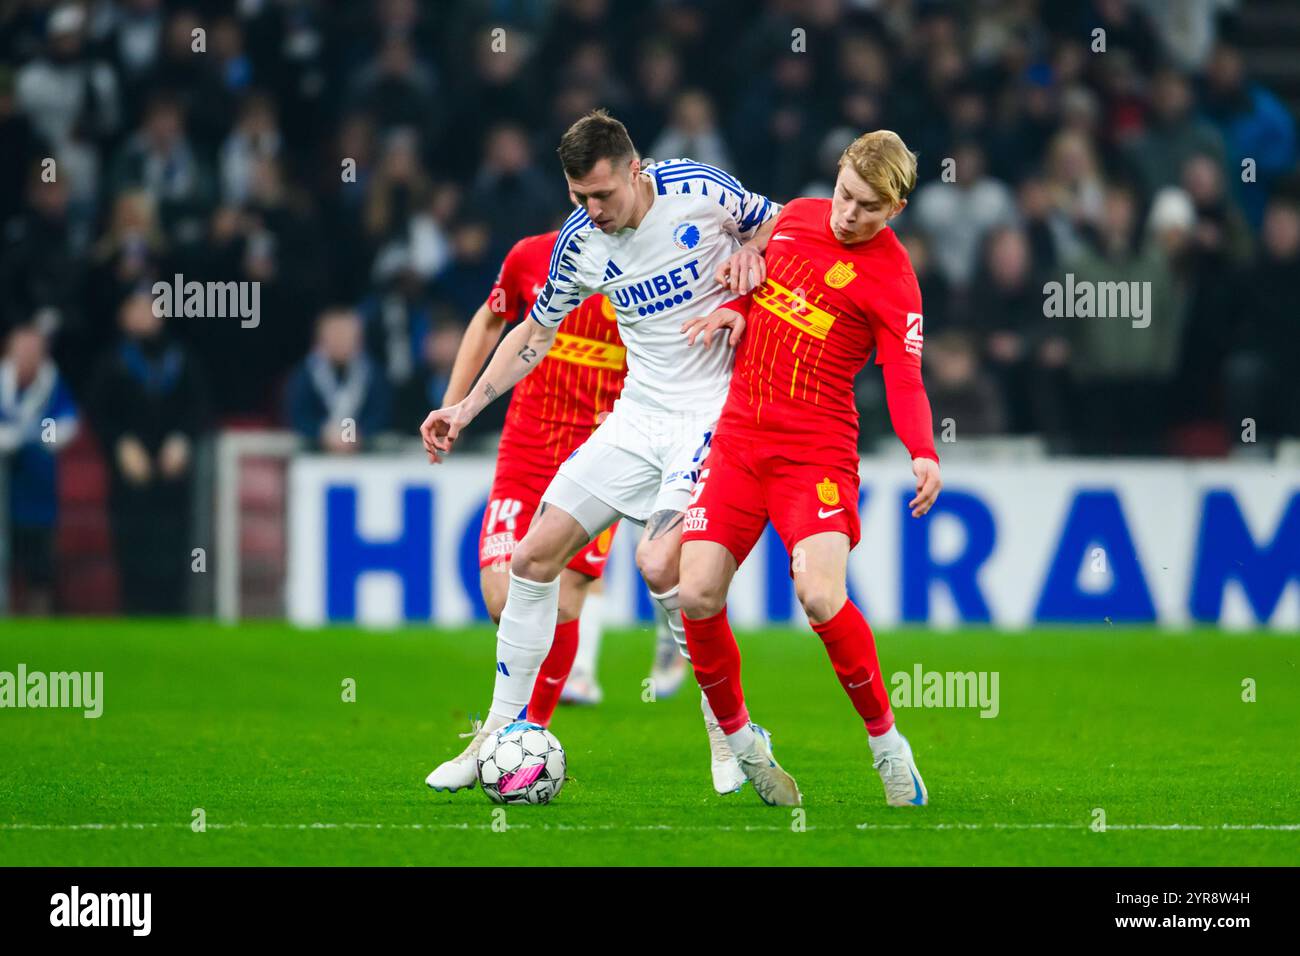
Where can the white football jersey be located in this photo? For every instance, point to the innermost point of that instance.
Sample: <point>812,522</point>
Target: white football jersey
<point>658,275</point>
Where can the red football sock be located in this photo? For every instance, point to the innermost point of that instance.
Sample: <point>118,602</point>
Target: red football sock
<point>554,672</point>
<point>716,660</point>
<point>852,651</point>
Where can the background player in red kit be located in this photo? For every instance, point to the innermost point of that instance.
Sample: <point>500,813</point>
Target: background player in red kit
<point>834,284</point>
<point>551,413</point>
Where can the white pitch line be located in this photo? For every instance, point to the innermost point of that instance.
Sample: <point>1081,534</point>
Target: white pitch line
<point>1082,827</point>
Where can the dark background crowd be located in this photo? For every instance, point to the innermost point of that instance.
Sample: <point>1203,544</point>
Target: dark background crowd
<point>369,164</point>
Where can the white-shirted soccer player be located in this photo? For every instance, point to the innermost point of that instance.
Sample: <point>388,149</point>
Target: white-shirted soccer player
<point>651,240</point>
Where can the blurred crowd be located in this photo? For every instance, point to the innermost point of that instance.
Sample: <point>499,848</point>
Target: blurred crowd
<point>369,164</point>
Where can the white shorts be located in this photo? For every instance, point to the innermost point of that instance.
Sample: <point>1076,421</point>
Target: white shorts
<point>635,464</point>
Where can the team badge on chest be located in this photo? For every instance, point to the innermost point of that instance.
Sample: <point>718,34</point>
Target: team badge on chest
<point>840,275</point>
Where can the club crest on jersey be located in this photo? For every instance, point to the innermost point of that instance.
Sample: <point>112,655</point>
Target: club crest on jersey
<point>840,275</point>
<point>828,492</point>
<point>686,236</point>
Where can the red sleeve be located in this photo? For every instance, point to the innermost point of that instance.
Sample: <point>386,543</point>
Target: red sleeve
<point>504,298</point>
<point>896,321</point>
<point>740,304</point>
<point>909,408</point>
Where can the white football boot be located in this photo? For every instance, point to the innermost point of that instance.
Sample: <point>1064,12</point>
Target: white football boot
<point>774,786</point>
<point>903,784</point>
<point>581,689</point>
<point>727,775</point>
<point>461,771</point>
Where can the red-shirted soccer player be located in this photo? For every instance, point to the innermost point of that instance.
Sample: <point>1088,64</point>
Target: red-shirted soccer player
<point>834,283</point>
<point>551,413</point>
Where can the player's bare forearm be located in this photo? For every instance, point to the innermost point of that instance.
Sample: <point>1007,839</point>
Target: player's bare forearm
<point>745,269</point>
<point>518,354</point>
<point>758,241</point>
<point>483,333</point>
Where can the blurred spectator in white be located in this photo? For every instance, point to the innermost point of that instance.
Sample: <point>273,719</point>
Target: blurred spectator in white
<point>692,133</point>
<point>256,136</point>
<point>37,420</point>
<point>64,87</point>
<point>1187,29</point>
<point>134,41</point>
<point>338,399</point>
<point>955,216</point>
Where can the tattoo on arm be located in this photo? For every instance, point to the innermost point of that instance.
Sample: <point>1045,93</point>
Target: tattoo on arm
<point>661,522</point>
<point>490,392</point>
<point>528,353</point>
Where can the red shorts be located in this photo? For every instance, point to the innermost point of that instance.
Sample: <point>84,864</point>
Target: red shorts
<point>744,485</point>
<point>512,503</point>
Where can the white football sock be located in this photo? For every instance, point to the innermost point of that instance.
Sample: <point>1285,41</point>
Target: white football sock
<point>742,739</point>
<point>889,741</point>
<point>707,707</point>
<point>671,605</point>
<point>523,639</point>
<point>591,625</point>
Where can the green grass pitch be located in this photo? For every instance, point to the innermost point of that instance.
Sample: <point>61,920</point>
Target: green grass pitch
<point>248,723</point>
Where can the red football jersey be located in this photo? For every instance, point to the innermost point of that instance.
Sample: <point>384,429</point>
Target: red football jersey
<point>557,405</point>
<point>823,308</point>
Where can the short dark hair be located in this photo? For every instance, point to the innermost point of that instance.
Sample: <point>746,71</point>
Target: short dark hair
<point>592,138</point>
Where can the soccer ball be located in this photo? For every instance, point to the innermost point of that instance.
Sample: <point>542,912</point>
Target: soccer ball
<point>521,763</point>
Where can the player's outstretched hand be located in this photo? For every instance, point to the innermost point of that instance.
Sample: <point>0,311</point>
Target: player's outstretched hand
<point>704,326</point>
<point>743,272</point>
<point>440,429</point>
<point>928,484</point>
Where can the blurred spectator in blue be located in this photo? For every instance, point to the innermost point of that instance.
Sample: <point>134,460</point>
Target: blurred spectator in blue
<point>338,399</point>
<point>510,194</point>
<point>37,420</point>
<point>1255,125</point>
<point>160,159</point>
<point>473,267</point>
